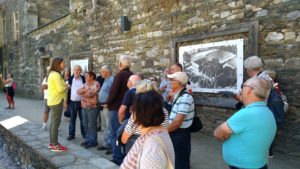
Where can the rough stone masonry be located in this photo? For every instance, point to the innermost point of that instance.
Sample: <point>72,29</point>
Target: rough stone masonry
<point>92,30</point>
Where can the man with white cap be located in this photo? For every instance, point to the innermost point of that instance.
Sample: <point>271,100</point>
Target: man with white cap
<point>181,118</point>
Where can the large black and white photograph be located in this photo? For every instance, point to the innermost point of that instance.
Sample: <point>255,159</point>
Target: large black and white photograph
<point>214,67</point>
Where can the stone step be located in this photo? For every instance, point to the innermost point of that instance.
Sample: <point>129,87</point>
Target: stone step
<point>28,144</point>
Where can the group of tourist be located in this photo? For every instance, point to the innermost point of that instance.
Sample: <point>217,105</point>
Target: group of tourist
<point>124,99</point>
<point>147,126</point>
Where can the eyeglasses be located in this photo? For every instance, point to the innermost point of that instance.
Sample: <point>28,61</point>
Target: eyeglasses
<point>245,85</point>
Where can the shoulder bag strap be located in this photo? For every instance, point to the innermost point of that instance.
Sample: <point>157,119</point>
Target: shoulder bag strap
<point>182,92</point>
<point>169,165</point>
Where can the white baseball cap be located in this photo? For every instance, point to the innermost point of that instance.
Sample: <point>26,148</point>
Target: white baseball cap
<point>179,76</point>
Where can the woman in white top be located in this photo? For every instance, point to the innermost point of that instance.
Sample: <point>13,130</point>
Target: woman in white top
<point>44,87</point>
<point>9,91</point>
<point>154,148</point>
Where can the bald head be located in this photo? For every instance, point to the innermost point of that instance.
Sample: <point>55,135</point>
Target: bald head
<point>133,80</point>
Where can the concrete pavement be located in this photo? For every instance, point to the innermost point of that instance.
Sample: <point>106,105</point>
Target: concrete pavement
<point>206,151</point>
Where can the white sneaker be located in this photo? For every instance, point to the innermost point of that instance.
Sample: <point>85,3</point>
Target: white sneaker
<point>44,126</point>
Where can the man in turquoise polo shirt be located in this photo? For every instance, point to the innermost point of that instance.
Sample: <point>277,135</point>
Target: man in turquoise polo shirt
<point>248,134</point>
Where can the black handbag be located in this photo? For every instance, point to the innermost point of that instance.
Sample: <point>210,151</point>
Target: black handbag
<point>67,113</point>
<point>196,124</point>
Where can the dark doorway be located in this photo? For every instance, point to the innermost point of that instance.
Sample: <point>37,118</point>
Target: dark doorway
<point>45,64</point>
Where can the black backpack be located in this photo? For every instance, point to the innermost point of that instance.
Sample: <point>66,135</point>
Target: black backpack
<point>276,105</point>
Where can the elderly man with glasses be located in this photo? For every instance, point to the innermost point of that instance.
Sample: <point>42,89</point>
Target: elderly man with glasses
<point>181,118</point>
<point>248,134</point>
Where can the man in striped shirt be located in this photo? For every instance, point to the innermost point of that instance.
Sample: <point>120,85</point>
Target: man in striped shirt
<point>181,118</point>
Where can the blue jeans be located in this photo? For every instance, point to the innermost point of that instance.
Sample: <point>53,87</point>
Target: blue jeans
<point>181,139</point>
<point>74,109</point>
<point>90,116</point>
<point>117,156</point>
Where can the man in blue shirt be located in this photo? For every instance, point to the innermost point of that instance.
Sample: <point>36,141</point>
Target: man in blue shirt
<point>248,134</point>
<point>106,73</point>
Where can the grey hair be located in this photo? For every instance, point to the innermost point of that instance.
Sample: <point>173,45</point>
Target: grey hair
<point>260,86</point>
<point>253,63</point>
<point>146,85</point>
<point>78,66</point>
<point>106,67</point>
<point>124,61</point>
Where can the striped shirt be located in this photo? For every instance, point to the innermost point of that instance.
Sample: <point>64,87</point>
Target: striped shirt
<point>184,105</point>
<point>131,128</point>
<point>148,153</point>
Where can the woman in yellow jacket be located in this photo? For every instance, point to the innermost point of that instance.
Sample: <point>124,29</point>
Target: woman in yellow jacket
<point>57,93</point>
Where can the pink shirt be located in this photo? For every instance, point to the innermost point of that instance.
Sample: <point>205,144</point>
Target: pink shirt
<point>90,95</point>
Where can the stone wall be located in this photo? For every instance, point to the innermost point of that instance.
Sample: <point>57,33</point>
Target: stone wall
<point>18,57</point>
<point>50,10</point>
<point>155,23</point>
<point>21,153</point>
<point>93,30</point>
<point>28,145</point>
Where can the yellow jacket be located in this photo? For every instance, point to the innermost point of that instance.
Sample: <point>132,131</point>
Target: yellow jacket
<point>57,89</point>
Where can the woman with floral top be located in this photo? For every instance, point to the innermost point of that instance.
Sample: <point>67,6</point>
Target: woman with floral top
<point>90,110</point>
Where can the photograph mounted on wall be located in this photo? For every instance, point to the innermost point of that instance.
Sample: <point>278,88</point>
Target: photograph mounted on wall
<point>84,63</point>
<point>214,67</point>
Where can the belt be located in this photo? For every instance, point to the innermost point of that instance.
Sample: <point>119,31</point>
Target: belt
<point>76,101</point>
<point>90,108</point>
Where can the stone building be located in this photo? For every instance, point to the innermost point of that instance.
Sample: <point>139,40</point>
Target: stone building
<point>35,30</point>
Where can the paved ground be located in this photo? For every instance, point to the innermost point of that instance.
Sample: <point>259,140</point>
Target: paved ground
<point>206,151</point>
